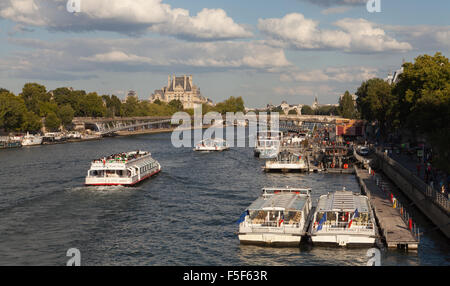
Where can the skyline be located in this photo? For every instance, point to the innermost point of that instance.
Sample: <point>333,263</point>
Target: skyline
<point>264,51</point>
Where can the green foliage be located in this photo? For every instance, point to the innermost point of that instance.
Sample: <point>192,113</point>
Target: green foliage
<point>326,110</point>
<point>292,112</point>
<point>176,104</point>
<point>52,122</point>
<point>34,95</point>
<point>232,104</point>
<point>12,110</point>
<point>376,103</point>
<point>65,114</point>
<point>307,110</point>
<point>91,105</point>
<point>346,107</point>
<point>419,102</point>
<point>31,122</point>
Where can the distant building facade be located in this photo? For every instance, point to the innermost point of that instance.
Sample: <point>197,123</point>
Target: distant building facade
<point>315,105</point>
<point>180,88</point>
<point>394,78</point>
<point>131,93</point>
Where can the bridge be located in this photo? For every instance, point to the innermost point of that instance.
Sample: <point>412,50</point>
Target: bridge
<point>106,126</point>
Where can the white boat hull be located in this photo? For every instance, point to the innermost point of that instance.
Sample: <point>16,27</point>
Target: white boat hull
<point>275,166</point>
<point>32,141</point>
<point>211,149</point>
<point>118,181</point>
<point>343,239</point>
<point>270,239</point>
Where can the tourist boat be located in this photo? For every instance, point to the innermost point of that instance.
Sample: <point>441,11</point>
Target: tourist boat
<point>124,169</point>
<point>343,218</point>
<point>267,144</point>
<point>30,140</point>
<point>286,161</point>
<point>210,144</point>
<point>10,142</point>
<point>279,217</point>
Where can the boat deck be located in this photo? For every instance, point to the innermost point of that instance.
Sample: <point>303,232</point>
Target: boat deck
<point>393,228</point>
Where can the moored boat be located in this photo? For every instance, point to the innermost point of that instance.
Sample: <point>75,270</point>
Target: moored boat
<point>210,144</point>
<point>124,169</point>
<point>343,218</point>
<point>30,140</point>
<point>10,142</point>
<point>278,217</point>
<point>286,161</point>
<point>267,144</point>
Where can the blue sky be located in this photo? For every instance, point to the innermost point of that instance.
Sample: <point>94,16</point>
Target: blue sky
<point>264,51</point>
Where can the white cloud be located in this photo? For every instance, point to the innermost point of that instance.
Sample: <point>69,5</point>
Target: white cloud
<point>355,35</point>
<point>306,90</point>
<point>88,56</point>
<point>131,17</point>
<point>336,74</point>
<point>335,10</point>
<point>328,3</point>
<point>424,37</point>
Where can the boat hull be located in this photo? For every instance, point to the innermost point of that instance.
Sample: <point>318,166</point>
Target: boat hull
<point>206,149</point>
<point>269,239</point>
<point>32,142</point>
<point>345,240</point>
<point>111,183</point>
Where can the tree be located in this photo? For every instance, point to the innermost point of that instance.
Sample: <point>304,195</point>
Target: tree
<point>130,107</point>
<point>307,110</point>
<point>3,90</point>
<point>65,114</point>
<point>91,105</point>
<point>375,102</point>
<point>423,96</point>
<point>326,110</point>
<point>31,122</point>
<point>176,104</point>
<point>293,112</point>
<point>346,107</point>
<point>12,111</point>
<point>33,94</point>
<point>232,104</point>
<point>52,122</point>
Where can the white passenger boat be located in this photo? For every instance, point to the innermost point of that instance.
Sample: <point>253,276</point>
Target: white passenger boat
<point>210,144</point>
<point>278,217</point>
<point>29,140</point>
<point>124,169</point>
<point>267,143</point>
<point>286,161</point>
<point>343,218</point>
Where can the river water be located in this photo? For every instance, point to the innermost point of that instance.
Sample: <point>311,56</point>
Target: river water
<point>186,215</point>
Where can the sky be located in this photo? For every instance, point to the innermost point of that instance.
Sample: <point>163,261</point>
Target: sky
<point>265,51</point>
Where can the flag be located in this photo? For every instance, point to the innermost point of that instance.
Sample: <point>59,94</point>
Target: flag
<point>355,215</point>
<point>281,220</point>
<point>322,220</point>
<point>242,217</point>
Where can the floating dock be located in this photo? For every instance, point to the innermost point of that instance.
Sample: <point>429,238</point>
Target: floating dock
<point>396,232</point>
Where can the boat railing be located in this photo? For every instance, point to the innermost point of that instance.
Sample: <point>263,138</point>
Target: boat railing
<point>343,227</point>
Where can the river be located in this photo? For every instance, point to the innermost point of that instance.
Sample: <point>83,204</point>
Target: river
<point>186,215</point>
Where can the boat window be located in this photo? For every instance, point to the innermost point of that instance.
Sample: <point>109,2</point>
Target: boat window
<point>293,217</point>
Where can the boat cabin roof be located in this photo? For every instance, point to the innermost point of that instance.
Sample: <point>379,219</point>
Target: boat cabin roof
<point>123,157</point>
<point>282,201</point>
<point>343,201</point>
